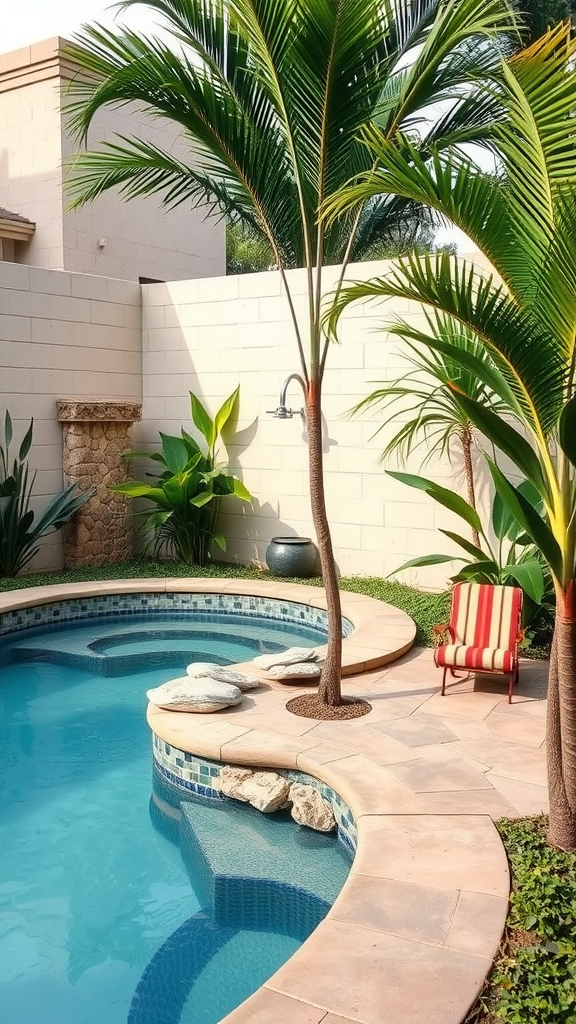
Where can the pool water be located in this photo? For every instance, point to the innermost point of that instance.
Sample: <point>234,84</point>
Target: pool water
<point>102,921</point>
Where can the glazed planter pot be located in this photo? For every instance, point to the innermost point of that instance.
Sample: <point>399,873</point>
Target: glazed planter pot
<point>291,556</point>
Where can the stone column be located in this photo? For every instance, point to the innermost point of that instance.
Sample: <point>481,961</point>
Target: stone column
<point>96,432</point>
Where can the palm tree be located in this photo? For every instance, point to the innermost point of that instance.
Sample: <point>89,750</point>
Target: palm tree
<point>524,311</point>
<point>433,416</point>
<point>270,98</point>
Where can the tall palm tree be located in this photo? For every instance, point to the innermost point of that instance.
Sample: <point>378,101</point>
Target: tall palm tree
<point>524,311</point>
<point>270,97</point>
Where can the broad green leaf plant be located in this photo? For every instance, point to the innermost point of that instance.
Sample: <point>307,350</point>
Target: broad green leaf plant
<point>20,530</point>
<point>269,98</point>
<point>523,308</point>
<point>187,493</point>
<point>512,559</point>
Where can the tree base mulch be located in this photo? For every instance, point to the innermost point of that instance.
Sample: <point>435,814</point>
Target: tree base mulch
<point>309,705</point>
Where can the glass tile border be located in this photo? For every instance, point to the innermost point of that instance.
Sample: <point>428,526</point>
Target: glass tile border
<point>194,774</point>
<point>127,605</point>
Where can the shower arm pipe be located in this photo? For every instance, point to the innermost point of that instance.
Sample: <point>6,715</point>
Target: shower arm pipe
<point>284,388</point>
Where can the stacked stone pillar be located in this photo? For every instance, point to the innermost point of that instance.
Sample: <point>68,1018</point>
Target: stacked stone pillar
<point>96,433</point>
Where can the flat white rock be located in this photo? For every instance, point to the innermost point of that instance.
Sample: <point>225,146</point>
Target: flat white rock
<point>310,808</point>
<point>200,695</point>
<point>291,656</point>
<point>200,669</point>
<point>304,670</point>
<point>266,791</point>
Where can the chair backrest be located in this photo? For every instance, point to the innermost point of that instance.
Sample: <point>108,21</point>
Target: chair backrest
<point>485,615</point>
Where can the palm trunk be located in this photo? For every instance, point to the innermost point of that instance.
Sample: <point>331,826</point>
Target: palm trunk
<point>562,723</point>
<point>329,690</point>
<point>466,441</point>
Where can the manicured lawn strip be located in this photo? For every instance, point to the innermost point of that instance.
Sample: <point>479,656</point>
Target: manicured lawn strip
<point>534,977</point>
<point>425,609</point>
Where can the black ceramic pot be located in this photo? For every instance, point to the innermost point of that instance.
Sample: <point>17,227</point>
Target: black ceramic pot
<point>291,556</point>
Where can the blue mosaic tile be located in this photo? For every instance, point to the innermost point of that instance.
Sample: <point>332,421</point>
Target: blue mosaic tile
<point>199,772</point>
<point>134,604</point>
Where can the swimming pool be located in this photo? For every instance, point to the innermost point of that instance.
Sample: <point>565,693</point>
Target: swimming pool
<point>103,915</point>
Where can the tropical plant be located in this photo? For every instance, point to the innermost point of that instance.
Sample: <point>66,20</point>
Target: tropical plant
<point>523,308</point>
<point>248,251</point>
<point>433,417</point>
<point>540,15</point>
<point>19,534</point>
<point>513,561</point>
<point>270,98</point>
<point>187,493</point>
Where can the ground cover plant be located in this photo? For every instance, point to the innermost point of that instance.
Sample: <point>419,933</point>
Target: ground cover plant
<point>270,98</point>
<point>534,976</point>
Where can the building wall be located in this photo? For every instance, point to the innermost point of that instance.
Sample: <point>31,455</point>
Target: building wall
<point>30,168</point>
<point>209,336</point>
<point>140,238</point>
<point>62,336</point>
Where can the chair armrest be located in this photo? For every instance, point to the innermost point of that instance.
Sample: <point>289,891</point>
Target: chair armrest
<point>441,631</point>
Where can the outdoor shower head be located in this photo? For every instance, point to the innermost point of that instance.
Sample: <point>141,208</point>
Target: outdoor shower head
<point>282,412</point>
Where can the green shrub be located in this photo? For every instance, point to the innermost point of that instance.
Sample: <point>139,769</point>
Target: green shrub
<point>19,532</point>
<point>186,494</point>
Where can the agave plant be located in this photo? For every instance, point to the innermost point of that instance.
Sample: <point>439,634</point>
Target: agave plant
<point>187,493</point>
<point>19,533</point>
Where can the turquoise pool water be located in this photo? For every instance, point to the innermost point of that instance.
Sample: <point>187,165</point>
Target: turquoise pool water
<point>103,918</point>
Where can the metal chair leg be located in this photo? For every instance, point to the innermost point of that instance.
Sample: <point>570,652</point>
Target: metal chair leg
<point>443,690</point>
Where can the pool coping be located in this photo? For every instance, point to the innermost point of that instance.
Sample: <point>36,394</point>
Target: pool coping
<point>420,917</point>
<point>381,633</point>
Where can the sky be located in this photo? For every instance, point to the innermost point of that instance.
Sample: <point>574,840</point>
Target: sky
<point>31,21</point>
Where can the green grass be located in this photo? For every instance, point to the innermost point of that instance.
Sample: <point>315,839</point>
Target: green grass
<point>534,977</point>
<point>425,609</point>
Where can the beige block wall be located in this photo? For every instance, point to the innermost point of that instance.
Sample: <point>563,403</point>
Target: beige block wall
<point>140,238</point>
<point>209,336</point>
<point>63,335</point>
<point>31,168</point>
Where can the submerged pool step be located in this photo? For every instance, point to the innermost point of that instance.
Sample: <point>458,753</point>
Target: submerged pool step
<point>252,868</point>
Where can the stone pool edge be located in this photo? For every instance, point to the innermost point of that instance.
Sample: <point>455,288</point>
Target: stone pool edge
<point>381,633</point>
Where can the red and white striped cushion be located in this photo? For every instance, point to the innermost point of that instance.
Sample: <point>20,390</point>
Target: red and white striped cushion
<point>476,659</point>
<point>485,616</point>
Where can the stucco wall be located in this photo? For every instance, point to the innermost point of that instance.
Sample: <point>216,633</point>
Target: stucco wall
<point>108,237</point>
<point>209,336</point>
<point>63,335</point>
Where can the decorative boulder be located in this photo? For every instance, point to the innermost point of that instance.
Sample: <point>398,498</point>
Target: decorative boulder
<point>310,808</point>
<point>266,791</point>
<point>306,671</point>
<point>223,675</point>
<point>201,695</point>
<point>292,656</point>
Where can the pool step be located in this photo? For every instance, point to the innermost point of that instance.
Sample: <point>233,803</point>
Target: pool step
<point>252,870</point>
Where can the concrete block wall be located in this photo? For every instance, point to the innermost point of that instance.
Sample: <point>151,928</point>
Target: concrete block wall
<point>208,336</point>
<point>63,336</point>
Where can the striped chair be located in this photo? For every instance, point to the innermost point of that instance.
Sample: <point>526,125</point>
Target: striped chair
<point>483,633</point>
